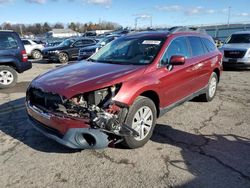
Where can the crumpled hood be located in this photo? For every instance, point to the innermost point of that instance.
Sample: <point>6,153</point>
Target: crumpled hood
<point>85,76</point>
<point>235,46</point>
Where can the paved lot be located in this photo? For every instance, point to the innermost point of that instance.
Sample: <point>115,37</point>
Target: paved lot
<point>194,145</point>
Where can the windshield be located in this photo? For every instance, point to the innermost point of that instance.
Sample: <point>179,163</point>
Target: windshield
<point>238,38</point>
<point>139,51</point>
<point>66,43</point>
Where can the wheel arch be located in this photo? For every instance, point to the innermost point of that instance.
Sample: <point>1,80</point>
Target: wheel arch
<point>217,71</point>
<point>10,64</point>
<point>152,95</point>
<point>66,52</point>
<point>36,50</point>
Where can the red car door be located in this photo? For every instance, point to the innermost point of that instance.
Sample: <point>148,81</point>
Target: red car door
<point>176,84</point>
<point>201,60</point>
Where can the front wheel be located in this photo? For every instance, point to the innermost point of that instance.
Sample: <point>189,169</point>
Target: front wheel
<point>8,77</point>
<point>141,117</point>
<point>63,57</point>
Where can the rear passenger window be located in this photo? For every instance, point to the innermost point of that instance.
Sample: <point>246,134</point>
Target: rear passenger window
<point>88,42</point>
<point>7,41</point>
<point>177,47</point>
<point>196,46</point>
<point>26,42</point>
<point>209,45</point>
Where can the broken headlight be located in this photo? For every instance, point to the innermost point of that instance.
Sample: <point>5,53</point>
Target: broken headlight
<point>100,98</point>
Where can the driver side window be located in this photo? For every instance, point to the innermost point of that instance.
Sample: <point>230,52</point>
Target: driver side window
<point>78,43</point>
<point>178,46</point>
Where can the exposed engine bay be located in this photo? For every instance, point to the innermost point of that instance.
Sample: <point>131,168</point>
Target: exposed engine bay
<point>96,106</point>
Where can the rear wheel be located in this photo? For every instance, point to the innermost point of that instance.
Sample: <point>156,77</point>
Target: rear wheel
<point>63,57</point>
<point>211,88</point>
<point>8,77</point>
<point>141,117</point>
<point>36,54</point>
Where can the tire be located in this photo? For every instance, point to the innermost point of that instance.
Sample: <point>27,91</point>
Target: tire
<point>147,109</point>
<point>8,77</point>
<point>63,57</point>
<point>211,88</point>
<point>36,54</point>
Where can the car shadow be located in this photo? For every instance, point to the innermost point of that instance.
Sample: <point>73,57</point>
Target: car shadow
<point>215,160</point>
<point>19,88</point>
<point>14,123</point>
<point>40,61</point>
<point>236,69</point>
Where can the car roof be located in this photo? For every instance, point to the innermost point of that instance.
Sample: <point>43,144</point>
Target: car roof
<point>162,33</point>
<point>142,34</point>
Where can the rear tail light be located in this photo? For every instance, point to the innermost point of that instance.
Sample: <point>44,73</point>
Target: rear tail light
<point>24,56</point>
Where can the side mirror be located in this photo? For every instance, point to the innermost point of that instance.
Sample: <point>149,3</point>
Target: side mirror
<point>177,60</point>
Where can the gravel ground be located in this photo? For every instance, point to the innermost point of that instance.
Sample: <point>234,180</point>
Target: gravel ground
<point>195,145</point>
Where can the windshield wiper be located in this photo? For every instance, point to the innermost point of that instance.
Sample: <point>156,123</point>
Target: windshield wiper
<point>107,61</point>
<point>92,60</point>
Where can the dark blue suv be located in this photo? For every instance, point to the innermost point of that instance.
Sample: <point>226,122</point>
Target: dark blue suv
<point>13,58</point>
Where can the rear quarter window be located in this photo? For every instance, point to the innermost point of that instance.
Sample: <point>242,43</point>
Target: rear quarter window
<point>8,41</point>
<point>210,46</point>
<point>26,42</point>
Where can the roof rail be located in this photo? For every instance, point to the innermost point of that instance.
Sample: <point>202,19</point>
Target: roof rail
<point>186,29</point>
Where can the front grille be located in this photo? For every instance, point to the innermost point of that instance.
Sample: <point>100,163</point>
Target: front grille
<point>234,53</point>
<point>49,101</point>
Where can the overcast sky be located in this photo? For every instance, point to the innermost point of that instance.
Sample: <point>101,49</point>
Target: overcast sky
<point>124,12</point>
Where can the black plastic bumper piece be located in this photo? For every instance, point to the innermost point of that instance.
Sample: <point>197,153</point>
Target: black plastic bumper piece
<point>23,66</point>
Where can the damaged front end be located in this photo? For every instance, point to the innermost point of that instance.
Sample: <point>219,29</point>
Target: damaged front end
<point>87,120</point>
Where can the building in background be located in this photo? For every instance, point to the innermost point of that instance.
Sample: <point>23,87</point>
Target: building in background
<point>223,31</point>
<point>62,33</point>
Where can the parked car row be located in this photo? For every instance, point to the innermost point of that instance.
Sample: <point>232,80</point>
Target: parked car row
<point>76,48</point>
<point>88,51</point>
<point>67,50</point>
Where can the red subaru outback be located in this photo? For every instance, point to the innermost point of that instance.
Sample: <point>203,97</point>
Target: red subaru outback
<point>119,92</point>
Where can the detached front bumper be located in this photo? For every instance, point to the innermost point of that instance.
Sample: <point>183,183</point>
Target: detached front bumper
<point>73,133</point>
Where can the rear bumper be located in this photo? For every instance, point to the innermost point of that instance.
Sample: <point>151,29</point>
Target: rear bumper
<point>23,66</point>
<point>72,133</point>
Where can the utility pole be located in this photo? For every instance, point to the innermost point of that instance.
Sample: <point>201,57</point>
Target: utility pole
<point>151,21</point>
<point>136,20</point>
<point>21,30</point>
<point>228,18</point>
